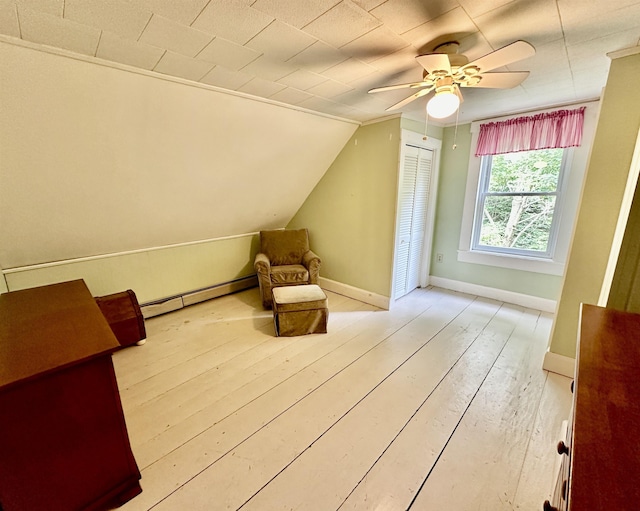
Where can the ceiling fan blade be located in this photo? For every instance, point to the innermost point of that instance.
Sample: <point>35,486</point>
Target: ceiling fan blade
<point>435,62</point>
<point>499,80</point>
<point>414,85</point>
<point>411,98</point>
<point>504,56</point>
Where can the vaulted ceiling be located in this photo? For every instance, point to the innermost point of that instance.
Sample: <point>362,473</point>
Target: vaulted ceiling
<point>324,55</point>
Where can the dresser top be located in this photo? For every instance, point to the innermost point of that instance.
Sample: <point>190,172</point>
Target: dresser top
<point>47,328</point>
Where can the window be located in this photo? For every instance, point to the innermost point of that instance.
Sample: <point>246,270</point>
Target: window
<point>518,202</point>
<point>520,215</point>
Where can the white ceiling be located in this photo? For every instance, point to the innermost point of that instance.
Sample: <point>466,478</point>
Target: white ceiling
<point>325,55</point>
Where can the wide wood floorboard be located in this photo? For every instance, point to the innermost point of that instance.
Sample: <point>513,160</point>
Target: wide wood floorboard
<point>440,403</point>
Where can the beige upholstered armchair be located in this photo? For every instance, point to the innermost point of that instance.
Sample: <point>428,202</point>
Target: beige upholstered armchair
<point>285,260</point>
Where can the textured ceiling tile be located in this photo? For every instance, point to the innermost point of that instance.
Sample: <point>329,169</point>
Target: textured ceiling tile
<point>579,28</point>
<point>269,69</point>
<point>260,87</point>
<point>318,57</point>
<point>375,44</point>
<point>281,41</point>
<point>232,19</point>
<point>302,79</point>
<point>225,78</point>
<point>398,61</point>
<point>342,24</point>
<point>115,48</point>
<point>535,22</point>
<point>478,7</point>
<point>403,15</point>
<point>228,54</point>
<point>555,51</point>
<point>367,5</point>
<point>178,38</point>
<point>329,89</point>
<point>297,13</point>
<point>175,64</point>
<point>366,102</point>
<point>474,46</point>
<point>182,11</point>
<point>453,26</point>
<point>114,16</point>
<point>290,96</point>
<point>338,109</point>
<point>53,7</point>
<point>323,105</point>
<point>54,31</point>
<point>369,81</point>
<point>9,19</point>
<point>349,70</point>
<point>574,11</point>
<point>589,54</point>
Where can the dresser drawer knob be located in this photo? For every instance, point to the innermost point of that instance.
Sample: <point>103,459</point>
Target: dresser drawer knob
<point>562,448</point>
<point>548,507</point>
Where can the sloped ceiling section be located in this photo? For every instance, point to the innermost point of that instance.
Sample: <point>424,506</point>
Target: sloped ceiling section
<point>98,160</point>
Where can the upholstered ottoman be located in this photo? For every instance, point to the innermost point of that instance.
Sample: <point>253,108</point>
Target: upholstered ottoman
<point>300,310</point>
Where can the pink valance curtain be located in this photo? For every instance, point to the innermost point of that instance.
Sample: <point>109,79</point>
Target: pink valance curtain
<point>562,128</point>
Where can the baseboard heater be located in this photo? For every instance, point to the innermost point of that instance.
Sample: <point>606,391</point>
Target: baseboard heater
<point>174,303</point>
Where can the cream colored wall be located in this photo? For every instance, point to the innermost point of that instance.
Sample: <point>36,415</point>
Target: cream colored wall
<point>100,160</point>
<point>152,274</point>
<point>3,283</point>
<point>351,212</point>
<point>602,197</point>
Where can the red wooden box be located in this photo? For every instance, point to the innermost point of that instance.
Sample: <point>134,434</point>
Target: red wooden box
<point>124,316</point>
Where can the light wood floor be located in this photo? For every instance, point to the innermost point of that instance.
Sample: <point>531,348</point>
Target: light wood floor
<point>438,404</point>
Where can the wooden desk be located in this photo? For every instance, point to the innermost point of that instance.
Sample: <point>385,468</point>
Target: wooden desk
<point>601,454</point>
<point>63,438</point>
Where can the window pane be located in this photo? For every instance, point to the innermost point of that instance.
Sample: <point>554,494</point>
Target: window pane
<point>527,171</point>
<point>517,222</point>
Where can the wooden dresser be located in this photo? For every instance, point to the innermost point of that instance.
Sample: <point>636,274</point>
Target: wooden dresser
<point>63,438</point>
<point>601,454</point>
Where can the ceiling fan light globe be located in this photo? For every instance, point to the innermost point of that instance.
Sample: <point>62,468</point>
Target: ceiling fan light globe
<point>443,104</point>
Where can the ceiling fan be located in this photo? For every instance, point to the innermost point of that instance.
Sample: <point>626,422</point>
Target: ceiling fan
<point>445,71</point>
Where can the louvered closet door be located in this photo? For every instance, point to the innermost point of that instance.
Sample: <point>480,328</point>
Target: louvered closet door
<point>415,179</point>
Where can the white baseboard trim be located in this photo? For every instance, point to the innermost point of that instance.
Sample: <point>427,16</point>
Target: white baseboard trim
<point>361,295</point>
<point>532,302</point>
<point>555,363</point>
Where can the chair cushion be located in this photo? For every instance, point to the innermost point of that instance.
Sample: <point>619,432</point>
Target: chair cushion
<point>289,274</point>
<point>298,298</point>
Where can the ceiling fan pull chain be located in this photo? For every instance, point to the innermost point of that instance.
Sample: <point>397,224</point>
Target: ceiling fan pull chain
<point>455,132</point>
<point>426,124</point>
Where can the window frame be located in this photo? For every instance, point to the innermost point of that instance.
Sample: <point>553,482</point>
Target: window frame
<point>574,176</point>
<point>483,193</point>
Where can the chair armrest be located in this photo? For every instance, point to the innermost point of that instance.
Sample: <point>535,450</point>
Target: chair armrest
<point>312,263</point>
<point>262,264</point>
<point>310,258</point>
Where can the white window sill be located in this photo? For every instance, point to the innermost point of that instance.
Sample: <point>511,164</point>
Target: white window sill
<point>514,262</point>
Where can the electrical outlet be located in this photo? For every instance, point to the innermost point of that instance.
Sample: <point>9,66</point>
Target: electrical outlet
<point>439,258</point>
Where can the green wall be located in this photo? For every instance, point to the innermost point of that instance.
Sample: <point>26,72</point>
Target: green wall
<point>351,212</point>
<point>604,188</point>
<point>451,194</point>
